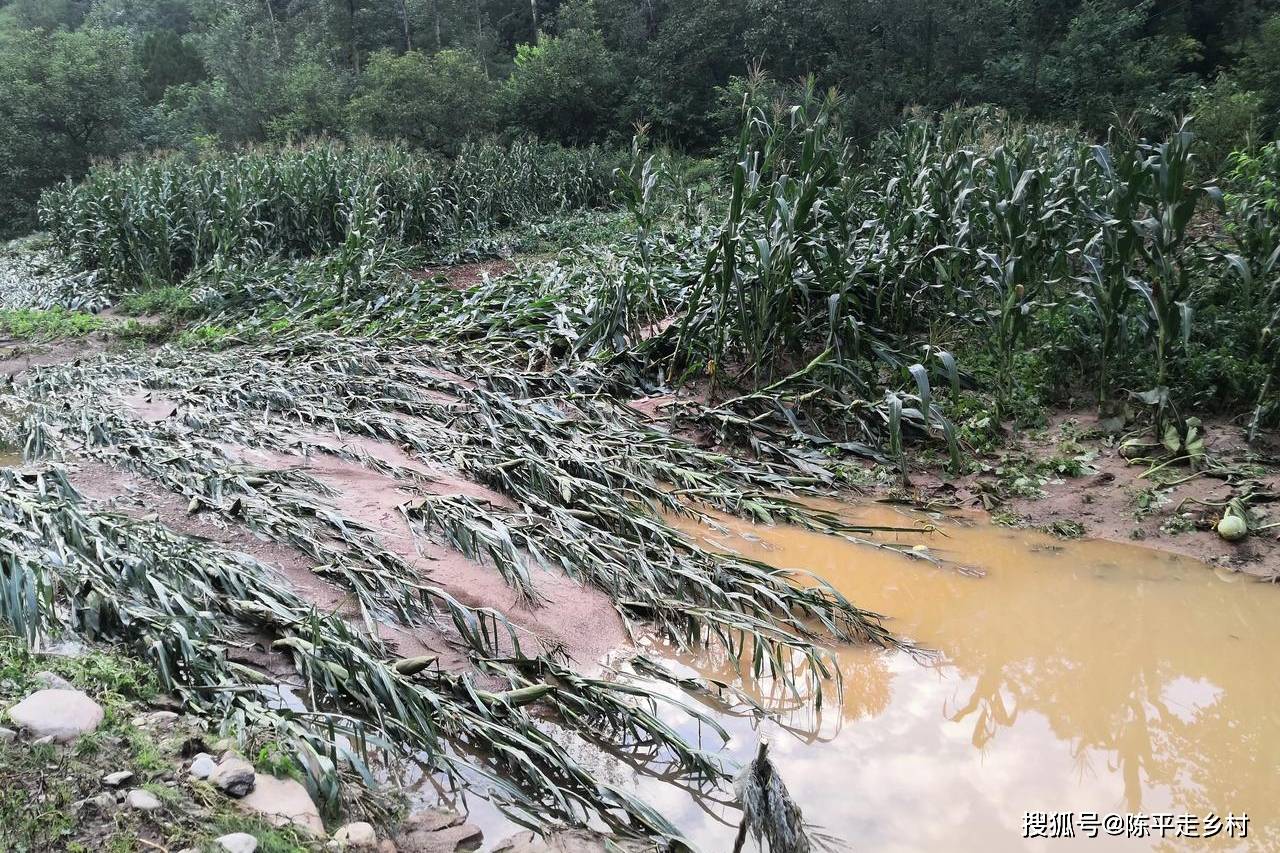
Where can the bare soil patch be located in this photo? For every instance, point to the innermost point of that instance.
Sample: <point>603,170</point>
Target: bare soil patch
<point>1119,500</point>
<point>465,276</point>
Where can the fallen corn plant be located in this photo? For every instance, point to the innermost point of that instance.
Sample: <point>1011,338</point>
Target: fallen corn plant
<point>181,604</point>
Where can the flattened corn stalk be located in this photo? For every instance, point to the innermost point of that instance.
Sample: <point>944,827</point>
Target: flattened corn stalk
<point>591,482</point>
<point>181,603</point>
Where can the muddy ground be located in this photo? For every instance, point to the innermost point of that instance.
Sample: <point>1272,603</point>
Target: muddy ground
<point>1101,494</point>
<point>1173,508</point>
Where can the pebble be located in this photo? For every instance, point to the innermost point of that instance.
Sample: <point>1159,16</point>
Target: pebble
<point>237,842</point>
<point>142,800</point>
<point>7,735</point>
<point>115,780</point>
<point>233,776</point>
<point>53,681</point>
<point>202,766</point>
<point>358,835</point>
<point>104,802</point>
<point>156,718</point>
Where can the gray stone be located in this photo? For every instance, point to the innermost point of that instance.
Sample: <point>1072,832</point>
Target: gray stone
<point>431,820</point>
<point>104,802</point>
<point>53,681</point>
<point>47,740</point>
<point>115,780</point>
<point>158,719</point>
<point>63,715</point>
<point>525,842</point>
<point>66,649</point>
<point>233,776</point>
<point>202,766</point>
<point>357,836</point>
<point>284,802</point>
<point>237,842</point>
<point>7,735</point>
<point>141,800</point>
<point>567,841</point>
<point>450,839</point>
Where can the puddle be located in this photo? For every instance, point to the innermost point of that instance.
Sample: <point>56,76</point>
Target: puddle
<point>1082,676</point>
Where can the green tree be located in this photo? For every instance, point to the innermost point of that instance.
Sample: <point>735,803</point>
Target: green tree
<point>312,100</point>
<point>435,101</point>
<point>1108,63</point>
<point>1226,116</point>
<point>1260,71</point>
<point>65,98</point>
<point>566,87</point>
<point>167,61</point>
<point>693,52</point>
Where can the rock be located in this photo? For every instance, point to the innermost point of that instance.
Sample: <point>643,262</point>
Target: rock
<point>53,681</point>
<point>7,735</point>
<point>233,776</point>
<point>142,800</point>
<point>568,841</point>
<point>157,719</point>
<point>47,740</point>
<point>63,715</point>
<point>358,835</point>
<point>66,649</point>
<point>386,845</point>
<point>431,820</point>
<point>420,832</point>
<point>104,803</point>
<point>525,842</point>
<point>237,842</point>
<point>283,802</point>
<point>202,766</point>
<point>115,780</point>
<point>450,839</point>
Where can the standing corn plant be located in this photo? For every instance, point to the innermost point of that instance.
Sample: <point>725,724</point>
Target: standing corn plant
<point>1111,255</point>
<point>1022,213</point>
<point>1253,216</point>
<point>1168,253</point>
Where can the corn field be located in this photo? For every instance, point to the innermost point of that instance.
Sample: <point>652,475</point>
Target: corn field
<point>155,221</point>
<point>826,301</point>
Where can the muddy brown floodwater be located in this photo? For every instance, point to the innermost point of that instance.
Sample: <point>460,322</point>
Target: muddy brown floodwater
<point>1083,676</point>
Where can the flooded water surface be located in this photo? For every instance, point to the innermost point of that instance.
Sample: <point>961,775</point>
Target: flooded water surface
<point>1081,677</point>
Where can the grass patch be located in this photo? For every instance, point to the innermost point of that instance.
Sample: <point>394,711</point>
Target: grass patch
<point>210,337</point>
<point>35,324</point>
<point>46,791</point>
<point>171,302</point>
